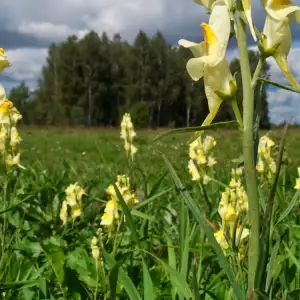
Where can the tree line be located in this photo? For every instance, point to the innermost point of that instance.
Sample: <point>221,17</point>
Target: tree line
<point>92,81</point>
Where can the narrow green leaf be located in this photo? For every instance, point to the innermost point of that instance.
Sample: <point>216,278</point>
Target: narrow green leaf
<point>282,86</point>
<point>292,257</point>
<point>126,210</point>
<point>152,198</point>
<point>229,124</point>
<point>157,184</point>
<point>185,251</point>
<point>195,284</point>
<point>200,217</point>
<point>122,278</point>
<point>289,208</point>
<point>271,265</point>
<point>178,280</point>
<point>15,205</point>
<point>113,280</point>
<point>148,285</point>
<point>142,215</point>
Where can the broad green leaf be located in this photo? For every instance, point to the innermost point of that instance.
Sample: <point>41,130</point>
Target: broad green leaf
<point>56,258</point>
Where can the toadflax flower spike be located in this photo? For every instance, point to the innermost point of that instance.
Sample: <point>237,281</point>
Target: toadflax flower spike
<point>277,37</point>
<point>210,62</point>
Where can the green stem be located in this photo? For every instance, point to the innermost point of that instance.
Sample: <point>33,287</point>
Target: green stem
<point>237,112</point>
<point>250,171</point>
<point>257,72</point>
<point>97,278</point>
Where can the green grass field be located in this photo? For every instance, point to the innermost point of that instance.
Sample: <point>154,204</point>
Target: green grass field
<point>161,250</point>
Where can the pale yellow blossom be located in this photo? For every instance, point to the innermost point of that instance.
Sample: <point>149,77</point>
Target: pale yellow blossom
<point>210,62</point>
<point>4,63</point>
<point>297,186</point>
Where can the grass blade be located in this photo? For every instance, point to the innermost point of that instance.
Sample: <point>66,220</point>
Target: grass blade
<point>271,266</point>
<point>179,282</point>
<point>148,285</point>
<point>260,272</point>
<point>122,278</point>
<point>200,217</point>
<point>282,86</point>
<point>289,208</point>
<point>229,124</point>
<point>292,257</point>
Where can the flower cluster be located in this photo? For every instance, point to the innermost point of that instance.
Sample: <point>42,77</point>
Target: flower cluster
<point>266,165</point>
<point>234,201</point>
<point>111,211</point>
<point>74,193</point>
<point>9,116</point>
<point>127,134</point>
<point>201,158</point>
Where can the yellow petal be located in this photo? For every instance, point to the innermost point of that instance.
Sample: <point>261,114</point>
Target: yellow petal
<point>195,67</point>
<point>220,25</point>
<point>198,50</point>
<point>207,3</point>
<point>280,9</point>
<point>248,14</point>
<point>217,79</point>
<point>281,60</point>
<point>279,33</point>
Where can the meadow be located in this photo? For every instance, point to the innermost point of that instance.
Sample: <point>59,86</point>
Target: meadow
<point>160,250</point>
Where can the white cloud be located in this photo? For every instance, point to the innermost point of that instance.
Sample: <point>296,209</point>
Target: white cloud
<point>44,30</point>
<point>26,63</point>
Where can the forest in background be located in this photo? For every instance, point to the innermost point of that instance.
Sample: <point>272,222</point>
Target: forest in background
<point>92,81</point>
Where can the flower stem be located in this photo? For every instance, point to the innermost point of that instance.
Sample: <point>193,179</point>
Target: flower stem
<point>237,112</point>
<point>248,150</point>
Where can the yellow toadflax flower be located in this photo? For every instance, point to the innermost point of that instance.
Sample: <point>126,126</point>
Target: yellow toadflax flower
<point>209,60</point>
<point>64,212</point>
<point>74,193</point>
<point>277,37</point>
<point>201,158</point>
<point>123,184</point>
<point>127,134</point>
<point>2,94</point>
<point>297,186</point>
<point>234,201</point>
<point>4,63</point>
<point>266,165</point>
<point>111,211</point>
<point>220,237</point>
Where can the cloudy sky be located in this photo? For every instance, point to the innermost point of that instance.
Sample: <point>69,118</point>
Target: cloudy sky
<point>27,27</point>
